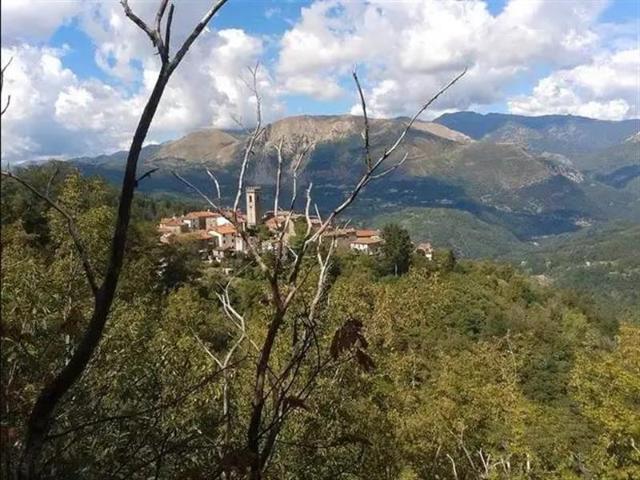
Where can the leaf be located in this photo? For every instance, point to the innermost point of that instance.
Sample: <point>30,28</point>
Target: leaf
<point>346,337</point>
<point>237,460</point>
<point>295,402</point>
<point>364,360</point>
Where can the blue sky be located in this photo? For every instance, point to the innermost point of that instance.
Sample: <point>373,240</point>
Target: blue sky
<point>81,69</point>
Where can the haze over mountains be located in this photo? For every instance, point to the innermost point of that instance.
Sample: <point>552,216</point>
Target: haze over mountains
<point>520,177</point>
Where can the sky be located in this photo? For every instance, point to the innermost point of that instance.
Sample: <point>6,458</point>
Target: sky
<point>81,72</point>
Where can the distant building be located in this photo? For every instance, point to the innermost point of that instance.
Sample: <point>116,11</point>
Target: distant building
<point>224,236</point>
<point>275,223</point>
<point>221,234</point>
<point>343,236</point>
<point>367,245</point>
<point>173,225</point>
<point>426,250</point>
<point>254,213</point>
<point>200,220</point>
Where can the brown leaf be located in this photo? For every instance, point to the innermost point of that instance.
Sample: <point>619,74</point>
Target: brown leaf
<point>237,460</point>
<point>295,402</point>
<point>364,360</point>
<point>346,337</point>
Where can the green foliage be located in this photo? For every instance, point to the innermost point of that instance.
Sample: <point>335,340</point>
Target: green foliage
<point>599,262</point>
<point>396,250</point>
<point>467,365</point>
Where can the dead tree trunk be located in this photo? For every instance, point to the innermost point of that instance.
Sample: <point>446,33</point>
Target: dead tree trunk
<point>40,419</point>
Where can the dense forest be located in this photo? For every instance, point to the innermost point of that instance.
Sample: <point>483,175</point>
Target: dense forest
<point>438,369</point>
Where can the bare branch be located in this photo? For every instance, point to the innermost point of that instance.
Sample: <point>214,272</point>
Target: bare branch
<point>390,169</point>
<point>255,135</point>
<point>370,174</point>
<point>71,226</point>
<point>365,133</point>
<point>40,418</point>
<point>146,174</point>
<point>215,181</point>
<point>6,107</point>
<point>194,34</point>
<point>160,14</point>
<point>417,114</point>
<point>307,209</point>
<point>167,32</point>
<point>276,198</point>
<point>51,179</point>
<point>139,22</point>
<point>202,194</point>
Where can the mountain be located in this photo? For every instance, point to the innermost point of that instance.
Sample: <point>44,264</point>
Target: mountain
<point>467,165</point>
<point>562,134</point>
<point>461,231</point>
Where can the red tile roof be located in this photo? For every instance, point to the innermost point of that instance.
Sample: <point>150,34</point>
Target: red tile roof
<point>203,214</point>
<point>226,229</point>
<point>367,233</point>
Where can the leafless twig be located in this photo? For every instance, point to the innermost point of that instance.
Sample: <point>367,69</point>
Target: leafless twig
<point>4,109</point>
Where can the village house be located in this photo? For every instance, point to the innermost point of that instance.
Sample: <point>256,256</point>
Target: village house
<point>343,237</point>
<point>224,236</point>
<point>201,220</point>
<point>367,245</point>
<point>199,239</point>
<point>367,242</point>
<point>426,250</point>
<point>173,225</point>
<point>217,238</point>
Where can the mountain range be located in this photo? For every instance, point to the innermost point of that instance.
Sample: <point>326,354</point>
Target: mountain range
<point>523,177</point>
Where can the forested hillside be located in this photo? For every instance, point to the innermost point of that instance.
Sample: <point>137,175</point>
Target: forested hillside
<point>453,370</point>
<point>601,262</point>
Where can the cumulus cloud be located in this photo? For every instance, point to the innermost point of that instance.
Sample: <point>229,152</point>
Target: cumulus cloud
<point>52,112</point>
<point>56,113</point>
<point>404,51</point>
<point>35,20</point>
<point>410,49</point>
<point>605,88</point>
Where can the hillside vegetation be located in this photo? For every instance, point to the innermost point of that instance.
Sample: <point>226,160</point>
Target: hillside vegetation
<point>601,262</point>
<point>452,370</point>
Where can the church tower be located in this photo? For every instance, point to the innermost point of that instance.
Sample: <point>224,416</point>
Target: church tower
<point>254,213</point>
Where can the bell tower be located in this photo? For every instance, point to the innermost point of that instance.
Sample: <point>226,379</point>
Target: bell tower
<point>254,213</point>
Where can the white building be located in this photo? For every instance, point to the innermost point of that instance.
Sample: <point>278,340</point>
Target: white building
<point>367,245</point>
<point>224,236</point>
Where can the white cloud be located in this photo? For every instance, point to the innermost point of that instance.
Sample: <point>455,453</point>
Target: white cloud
<point>35,20</point>
<point>408,50</point>
<point>607,87</point>
<point>53,112</point>
<point>404,51</point>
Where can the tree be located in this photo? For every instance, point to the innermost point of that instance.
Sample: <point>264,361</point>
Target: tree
<point>286,371</point>
<point>396,250</point>
<point>104,289</point>
<point>607,386</point>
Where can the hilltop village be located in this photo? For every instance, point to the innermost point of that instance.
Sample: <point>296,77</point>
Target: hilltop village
<point>217,238</point>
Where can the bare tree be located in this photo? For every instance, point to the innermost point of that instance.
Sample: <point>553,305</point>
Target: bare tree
<point>6,106</point>
<point>40,418</point>
<point>280,388</point>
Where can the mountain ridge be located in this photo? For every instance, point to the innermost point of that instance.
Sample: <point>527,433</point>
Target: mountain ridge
<point>502,178</point>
